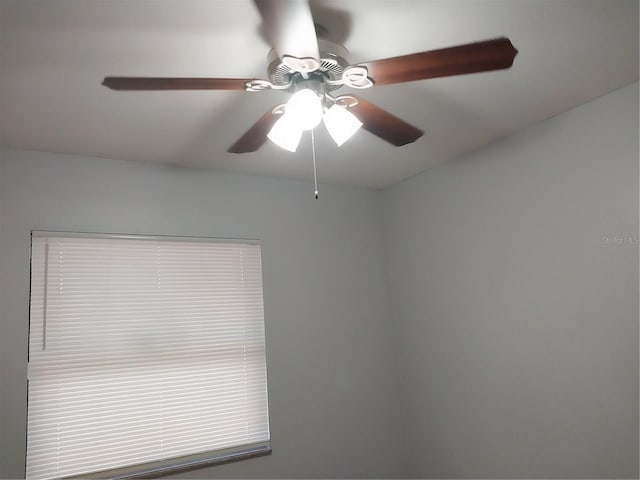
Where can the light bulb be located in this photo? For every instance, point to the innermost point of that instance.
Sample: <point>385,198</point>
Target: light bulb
<point>305,108</point>
<point>286,133</point>
<point>341,124</point>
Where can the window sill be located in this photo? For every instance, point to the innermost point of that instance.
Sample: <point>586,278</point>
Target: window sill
<point>186,463</point>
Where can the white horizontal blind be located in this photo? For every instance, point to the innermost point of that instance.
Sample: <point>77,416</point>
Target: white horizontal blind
<point>141,350</point>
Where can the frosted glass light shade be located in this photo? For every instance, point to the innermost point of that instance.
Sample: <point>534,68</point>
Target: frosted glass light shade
<point>305,108</point>
<point>341,124</point>
<point>286,133</point>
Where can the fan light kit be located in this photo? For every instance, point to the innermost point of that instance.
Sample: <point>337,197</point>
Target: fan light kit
<point>306,109</point>
<point>312,68</point>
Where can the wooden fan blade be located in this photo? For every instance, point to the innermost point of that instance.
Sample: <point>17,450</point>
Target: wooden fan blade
<point>256,136</point>
<point>384,125</point>
<point>288,25</point>
<point>470,58</point>
<point>159,83</point>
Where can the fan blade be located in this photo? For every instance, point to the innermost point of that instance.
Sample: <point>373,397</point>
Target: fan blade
<point>256,136</point>
<point>386,126</point>
<point>159,83</point>
<point>470,58</point>
<point>289,27</point>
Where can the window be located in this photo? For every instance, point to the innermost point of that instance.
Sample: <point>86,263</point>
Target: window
<point>146,354</point>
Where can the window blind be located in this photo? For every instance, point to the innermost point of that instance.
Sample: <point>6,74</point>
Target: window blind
<point>142,349</point>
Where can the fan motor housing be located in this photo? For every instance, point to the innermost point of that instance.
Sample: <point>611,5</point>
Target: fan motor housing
<point>334,58</point>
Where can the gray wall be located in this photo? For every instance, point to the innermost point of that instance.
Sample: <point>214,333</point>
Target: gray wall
<point>514,278</point>
<point>331,366</point>
<point>513,275</point>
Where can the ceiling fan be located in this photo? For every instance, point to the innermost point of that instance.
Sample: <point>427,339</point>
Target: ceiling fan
<point>312,68</point>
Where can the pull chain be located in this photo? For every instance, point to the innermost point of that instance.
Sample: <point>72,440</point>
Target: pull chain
<point>315,174</point>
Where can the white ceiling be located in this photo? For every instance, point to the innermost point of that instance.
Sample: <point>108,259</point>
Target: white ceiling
<point>54,54</point>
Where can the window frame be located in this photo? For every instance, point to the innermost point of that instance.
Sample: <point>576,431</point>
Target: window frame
<point>181,463</point>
